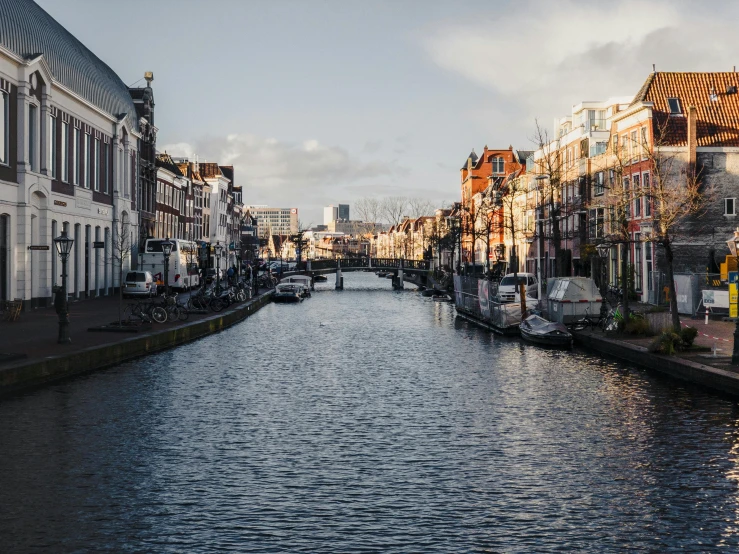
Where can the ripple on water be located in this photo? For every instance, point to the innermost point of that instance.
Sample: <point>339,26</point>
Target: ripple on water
<point>368,421</point>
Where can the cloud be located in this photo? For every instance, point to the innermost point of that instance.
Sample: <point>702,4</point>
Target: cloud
<point>561,54</point>
<point>287,174</point>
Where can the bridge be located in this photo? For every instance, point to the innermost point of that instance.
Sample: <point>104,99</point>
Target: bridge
<point>414,271</point>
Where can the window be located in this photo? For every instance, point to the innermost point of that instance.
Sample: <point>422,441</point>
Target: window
<point>647,196</point>
<point>32,136</point>
<point>52,146</point>
<point>634,147</point>
<point>675,108</point>
<point>106,158</point>
<point>4,126</point>
<point>65,152</point>
<point>729,206</point>
<point>599,183</point>
<point>96,165</point>
<point>87,160</point>
<point>644,143</point>
<point>75,156</point>
<point>498,165</point>
<point>637,206</point>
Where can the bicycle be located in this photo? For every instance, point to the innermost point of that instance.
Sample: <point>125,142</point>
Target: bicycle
<point>147,312</point>
<point>586,321</point>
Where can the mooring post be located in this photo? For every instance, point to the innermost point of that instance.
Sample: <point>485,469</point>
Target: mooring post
<point>339,276</point>
<point>400,274</point>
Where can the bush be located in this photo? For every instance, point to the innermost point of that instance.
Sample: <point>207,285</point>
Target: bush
<point>687,336</point>
<point>666,343</point>
<point>638,326</point>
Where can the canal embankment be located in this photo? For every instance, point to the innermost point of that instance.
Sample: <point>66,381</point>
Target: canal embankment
<point>705,368</point>
<point>30,356</point>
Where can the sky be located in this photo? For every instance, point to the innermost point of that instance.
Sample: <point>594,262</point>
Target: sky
<point>321,101</point>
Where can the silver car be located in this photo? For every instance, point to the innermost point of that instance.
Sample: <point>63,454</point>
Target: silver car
<point>140,283</point>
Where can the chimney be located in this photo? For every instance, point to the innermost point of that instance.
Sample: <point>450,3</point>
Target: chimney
<point>692,136</point>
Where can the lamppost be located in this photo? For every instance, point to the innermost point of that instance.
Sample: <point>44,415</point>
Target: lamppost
<point>603,249</point>
<point>218,248</point>
<point>167,251</point>
<point>733,243</point>
<point>63,246</point>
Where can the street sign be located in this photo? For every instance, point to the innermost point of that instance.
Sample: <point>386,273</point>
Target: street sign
<point>98,244</point>
<point>38,247</point>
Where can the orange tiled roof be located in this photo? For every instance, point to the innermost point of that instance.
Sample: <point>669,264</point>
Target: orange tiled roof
<point>717,120</point>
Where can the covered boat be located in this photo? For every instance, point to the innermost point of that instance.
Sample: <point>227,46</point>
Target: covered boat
<point>303,281</point>
<point>538,330</point>
<point>287,293</point>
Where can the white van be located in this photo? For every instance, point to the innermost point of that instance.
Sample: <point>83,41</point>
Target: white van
<point>508,289</point>
<point>139,283</point>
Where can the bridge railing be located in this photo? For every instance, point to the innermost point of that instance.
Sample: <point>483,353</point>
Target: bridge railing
<point>380,263</point>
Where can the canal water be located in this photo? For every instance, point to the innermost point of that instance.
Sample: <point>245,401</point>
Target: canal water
<point>368,420</point>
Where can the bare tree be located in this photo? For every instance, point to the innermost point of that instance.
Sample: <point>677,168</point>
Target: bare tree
<point>120,253</point>
<point>370,211</point>
<point>678,195</point>
<point>552,165</point>
<point>419,207</point>
<point>394,208</point>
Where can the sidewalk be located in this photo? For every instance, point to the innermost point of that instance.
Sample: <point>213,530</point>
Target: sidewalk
<point>705,367</point>
<point>29,351</point>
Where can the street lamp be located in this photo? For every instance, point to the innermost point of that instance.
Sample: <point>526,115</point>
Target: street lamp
<point>733,243</point>
<point>218,249</point>
<point>603,249</point>
<point>63,247</point>
<point>167,251</point>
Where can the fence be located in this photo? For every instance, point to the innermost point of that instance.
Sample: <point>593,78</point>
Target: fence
<point>476,297</point>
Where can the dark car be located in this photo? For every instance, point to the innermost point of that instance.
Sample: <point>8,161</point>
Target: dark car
<point>209,275</point>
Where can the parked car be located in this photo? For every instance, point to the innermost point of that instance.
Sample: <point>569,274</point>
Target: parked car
<point>209,275</point>
<point>140,283</point>
<point>508,289</point>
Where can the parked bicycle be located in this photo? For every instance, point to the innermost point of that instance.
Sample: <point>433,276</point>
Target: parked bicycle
<point>146,312</point>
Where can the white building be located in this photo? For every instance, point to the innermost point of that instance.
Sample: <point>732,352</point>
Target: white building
<point>69,138</point>
<point>274,221</point>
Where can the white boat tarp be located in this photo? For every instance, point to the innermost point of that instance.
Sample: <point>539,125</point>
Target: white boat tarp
<point>570,298</point>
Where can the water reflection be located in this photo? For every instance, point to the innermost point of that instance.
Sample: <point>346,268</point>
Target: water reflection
<point>368,420</point>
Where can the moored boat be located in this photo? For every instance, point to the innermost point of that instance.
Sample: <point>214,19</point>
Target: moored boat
<point>538,330</point>
<point>304,281</point>
<point>287,293</point>
<point>320,279</point>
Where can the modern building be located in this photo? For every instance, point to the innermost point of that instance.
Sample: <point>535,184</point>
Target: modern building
<point>333,213</point>
<point>274,221</point>
<point>70,134</point>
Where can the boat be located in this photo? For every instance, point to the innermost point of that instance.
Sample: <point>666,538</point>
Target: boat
<point>287,293</point>
<point>540,331</point>
<point>304,281</point>
<point>428,292</point>
<point>381,273</point>
<point>320,279</point>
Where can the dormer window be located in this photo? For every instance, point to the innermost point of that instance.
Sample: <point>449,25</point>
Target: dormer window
<point>498,165</point>
<point>675,107</point>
